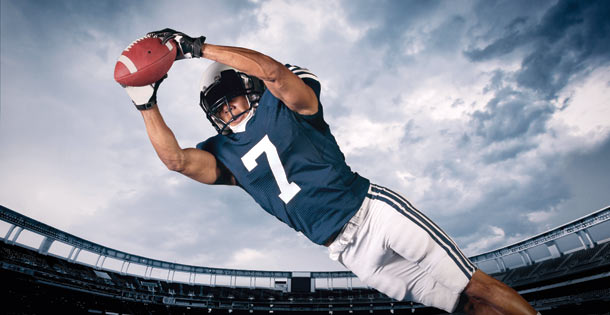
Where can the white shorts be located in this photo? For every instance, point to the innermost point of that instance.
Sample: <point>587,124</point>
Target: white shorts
<point>394,248</point>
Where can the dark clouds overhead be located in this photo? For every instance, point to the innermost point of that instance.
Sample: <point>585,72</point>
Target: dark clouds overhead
<point>512,115</point>
<point>570,40</point>
<point>571,37</point>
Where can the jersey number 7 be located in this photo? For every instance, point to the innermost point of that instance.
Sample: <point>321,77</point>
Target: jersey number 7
<point>287,190</point>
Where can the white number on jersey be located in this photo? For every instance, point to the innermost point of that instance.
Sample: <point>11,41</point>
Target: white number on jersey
<point>287,190</point>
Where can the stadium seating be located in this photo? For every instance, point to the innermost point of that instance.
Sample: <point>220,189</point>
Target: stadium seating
<point>37,282</point>
<point>78,288</point>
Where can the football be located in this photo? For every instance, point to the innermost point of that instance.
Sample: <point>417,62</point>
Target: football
<point>144,61</point>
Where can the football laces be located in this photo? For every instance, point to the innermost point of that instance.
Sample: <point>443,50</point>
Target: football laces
<point>136,41</point>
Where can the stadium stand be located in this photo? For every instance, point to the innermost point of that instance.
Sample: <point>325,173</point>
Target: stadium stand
<point>554,277</point>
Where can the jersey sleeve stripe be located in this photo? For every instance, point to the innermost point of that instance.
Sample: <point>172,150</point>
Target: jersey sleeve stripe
<point>307,76</point>
<point>299,72</point>
<point>302,72</point>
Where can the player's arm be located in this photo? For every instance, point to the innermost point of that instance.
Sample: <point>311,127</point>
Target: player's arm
<point>197,164</point>
<point>280,81</point>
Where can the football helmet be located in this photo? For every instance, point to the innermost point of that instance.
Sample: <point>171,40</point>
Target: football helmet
<point>221,83</point>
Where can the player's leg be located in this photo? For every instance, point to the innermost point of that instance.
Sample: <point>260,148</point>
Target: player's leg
<point>483,289</point>
<point>475,306</point>
<point>372,257</point>
<point>416,238</point>
<point>362,248</point>
<point>406,281</point>
<point>393,275</point>
<point>443,260</point>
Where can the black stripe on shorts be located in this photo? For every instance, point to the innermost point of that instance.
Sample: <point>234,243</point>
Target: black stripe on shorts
<point>405,208</point>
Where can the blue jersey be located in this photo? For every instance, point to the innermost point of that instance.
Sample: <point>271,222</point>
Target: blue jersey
<point>292,166</point>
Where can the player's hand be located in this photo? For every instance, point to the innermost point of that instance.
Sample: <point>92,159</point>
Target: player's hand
<point>188,47</point>
<point>144,97</point>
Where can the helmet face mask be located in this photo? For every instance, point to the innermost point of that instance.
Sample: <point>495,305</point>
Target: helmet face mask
<point>214,114</point>
<point>219,86</point>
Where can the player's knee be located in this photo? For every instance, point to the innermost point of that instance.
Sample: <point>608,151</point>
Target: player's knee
<point>475,288</point>
<point>478,288</point>
<point>484,287</point>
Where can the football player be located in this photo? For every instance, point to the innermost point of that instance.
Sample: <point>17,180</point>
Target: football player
<point>274,143</point>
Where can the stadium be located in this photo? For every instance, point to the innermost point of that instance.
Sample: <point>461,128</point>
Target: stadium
<point>565,270</point>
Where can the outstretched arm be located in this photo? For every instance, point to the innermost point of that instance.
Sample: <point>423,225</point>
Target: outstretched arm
<point>280,81</point>
<point>197,164</point>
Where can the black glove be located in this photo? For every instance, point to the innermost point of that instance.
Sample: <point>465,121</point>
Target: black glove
<point>188,47</point>
<point>144,97</point>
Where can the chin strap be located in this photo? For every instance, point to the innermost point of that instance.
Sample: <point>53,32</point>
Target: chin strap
<point>241,127</point>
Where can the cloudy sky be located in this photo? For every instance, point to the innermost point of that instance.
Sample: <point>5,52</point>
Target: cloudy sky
<point>492,117</point>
